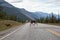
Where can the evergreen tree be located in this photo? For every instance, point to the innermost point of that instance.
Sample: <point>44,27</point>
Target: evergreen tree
<point>13,17</point>
<point>2,13</point>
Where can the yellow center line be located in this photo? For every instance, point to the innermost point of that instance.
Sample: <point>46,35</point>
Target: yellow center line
<point>54,32</point>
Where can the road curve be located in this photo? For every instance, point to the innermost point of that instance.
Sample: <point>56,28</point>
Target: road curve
<point>34,32</point>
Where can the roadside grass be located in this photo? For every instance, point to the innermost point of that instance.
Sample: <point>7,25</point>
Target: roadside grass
<point>6,24</point>
<point>58,24</point>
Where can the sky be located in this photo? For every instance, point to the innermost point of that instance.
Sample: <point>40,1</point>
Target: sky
<point>47,6</point>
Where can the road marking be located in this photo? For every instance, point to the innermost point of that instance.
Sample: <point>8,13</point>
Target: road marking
<point>10,33</point>
<point>54,32</point>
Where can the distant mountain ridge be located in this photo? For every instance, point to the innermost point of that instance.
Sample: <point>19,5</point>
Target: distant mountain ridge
<point>44,15</point>
<point>41,14</point>
<point>21,13</point>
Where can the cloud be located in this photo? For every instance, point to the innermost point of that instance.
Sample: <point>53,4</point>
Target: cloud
<point>57,0</point>
<point>14,1</point>
<point>39,5</point>
<point>46,1</point>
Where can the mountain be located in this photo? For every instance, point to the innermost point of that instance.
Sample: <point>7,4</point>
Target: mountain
<point>44,15</point>
<point>21,14</point>
<point>41,14</point>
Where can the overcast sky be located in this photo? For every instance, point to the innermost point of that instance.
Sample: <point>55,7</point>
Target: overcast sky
<point>37,5</point>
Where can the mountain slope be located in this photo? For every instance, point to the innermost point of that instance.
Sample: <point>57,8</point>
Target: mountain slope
<point>21,13</point>
<point>44,15</point>
<point>41,14</point>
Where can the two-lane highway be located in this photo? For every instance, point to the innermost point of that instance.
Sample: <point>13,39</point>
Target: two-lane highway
<point>34,32</point>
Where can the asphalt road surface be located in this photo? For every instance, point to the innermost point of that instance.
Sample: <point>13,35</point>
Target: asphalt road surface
<point>34,32</point>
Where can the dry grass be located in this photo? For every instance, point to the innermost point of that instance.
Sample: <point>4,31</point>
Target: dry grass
<point>57,24</point>
<point>3,25</point>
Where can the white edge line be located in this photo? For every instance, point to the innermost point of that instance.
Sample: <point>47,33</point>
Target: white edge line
<point>9,34</point>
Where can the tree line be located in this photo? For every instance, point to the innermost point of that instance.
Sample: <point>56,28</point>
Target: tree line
<point>50,19</point>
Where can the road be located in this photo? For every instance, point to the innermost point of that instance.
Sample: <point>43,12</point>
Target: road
<point>34,32</point>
